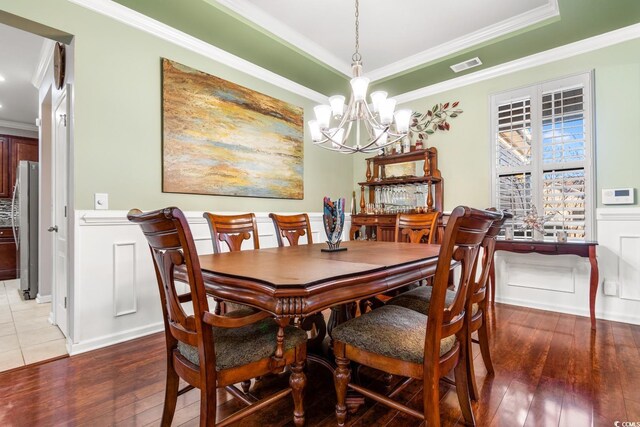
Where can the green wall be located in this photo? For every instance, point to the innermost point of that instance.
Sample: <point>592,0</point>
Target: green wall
<point>464,152</point>
<point>118,117</point>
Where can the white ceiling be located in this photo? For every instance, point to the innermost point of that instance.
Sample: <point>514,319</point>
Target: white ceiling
<point>394,35</point>
<point>19,57</point>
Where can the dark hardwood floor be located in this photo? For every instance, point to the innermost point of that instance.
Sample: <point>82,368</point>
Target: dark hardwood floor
<point>551,370</point>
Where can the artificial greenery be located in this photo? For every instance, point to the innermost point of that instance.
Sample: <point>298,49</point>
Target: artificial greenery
<point>434,119</point>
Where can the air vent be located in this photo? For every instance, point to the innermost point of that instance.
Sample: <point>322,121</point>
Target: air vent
<point>466,65</point>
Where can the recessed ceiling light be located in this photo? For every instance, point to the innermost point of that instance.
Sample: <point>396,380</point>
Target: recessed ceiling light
<point>0,105</point>
<point>1,78</point>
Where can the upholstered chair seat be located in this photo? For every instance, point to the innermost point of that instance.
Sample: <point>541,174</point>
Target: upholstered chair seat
<point>392,331</point>
<point>419,299</point>
<point>250,343</point>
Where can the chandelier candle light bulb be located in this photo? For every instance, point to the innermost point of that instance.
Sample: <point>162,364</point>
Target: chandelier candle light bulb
<point>377,99</point>
<point>323,115</point>
<point>378,124</point>
<point>337,105</point>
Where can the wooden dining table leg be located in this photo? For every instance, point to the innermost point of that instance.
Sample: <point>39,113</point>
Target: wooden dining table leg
<point>593,284</point>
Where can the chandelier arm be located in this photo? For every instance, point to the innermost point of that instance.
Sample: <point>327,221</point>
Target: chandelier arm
<point>371,117</point>
<point>348,150</point>
<point>346,115</point>
<point>329,138</point>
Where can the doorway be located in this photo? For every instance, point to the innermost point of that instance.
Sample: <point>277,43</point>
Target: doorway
<point>32,327</point>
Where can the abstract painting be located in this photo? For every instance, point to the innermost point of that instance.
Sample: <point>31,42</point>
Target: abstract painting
<point>224,139</point>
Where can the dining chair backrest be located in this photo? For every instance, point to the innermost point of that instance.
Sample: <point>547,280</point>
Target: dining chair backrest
<point>417,228</point>
<point>233,230</point>
<point>477,290</point>
<point>171,243</point>
<point>463,235</point>
<point>292,227</point>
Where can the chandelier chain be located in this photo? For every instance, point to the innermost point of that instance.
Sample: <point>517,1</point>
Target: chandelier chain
<point>356,56</point>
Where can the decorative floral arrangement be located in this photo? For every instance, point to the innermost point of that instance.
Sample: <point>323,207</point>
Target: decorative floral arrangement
<point>533,221</point>
<point>435,119</point>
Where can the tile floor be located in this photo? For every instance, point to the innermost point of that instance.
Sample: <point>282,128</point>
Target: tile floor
<point>26,336</point>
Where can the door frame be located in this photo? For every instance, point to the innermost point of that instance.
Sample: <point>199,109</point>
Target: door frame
<point>64,95</point>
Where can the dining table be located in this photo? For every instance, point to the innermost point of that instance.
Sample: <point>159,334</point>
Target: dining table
<point>299,282</point>
<point>296,284</point>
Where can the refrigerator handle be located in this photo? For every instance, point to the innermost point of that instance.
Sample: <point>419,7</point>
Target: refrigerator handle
<point>13,214</point>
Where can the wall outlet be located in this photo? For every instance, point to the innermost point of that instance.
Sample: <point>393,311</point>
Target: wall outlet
<point>610,288</point>
<point>101,201</point>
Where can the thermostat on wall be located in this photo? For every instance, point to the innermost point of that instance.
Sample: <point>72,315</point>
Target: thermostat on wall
<point>618,196</point>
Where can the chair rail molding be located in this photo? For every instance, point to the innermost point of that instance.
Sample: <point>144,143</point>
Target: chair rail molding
<point>115,293</point>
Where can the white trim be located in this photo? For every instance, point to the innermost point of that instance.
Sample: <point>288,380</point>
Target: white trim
<point>563,52</point>
<point>515,23</point>
<point>18,125</point>
<point>266,21</point>
<point>144,23</point>
<point>618,214</point>
<point>46,56</point>
<point>114,217</point>
<point>116,269</point>
<point>43,299</point>
<point>256,15</point>
<point>584,312</point>
<point>107,340</point>
<point>537,167</point>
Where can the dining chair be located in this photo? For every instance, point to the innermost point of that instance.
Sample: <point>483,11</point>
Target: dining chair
<point>410,228</point>
<point>292,227</point>
<point>233,230</point>
<point>419,300</point>
<point>476,307</point>
<point>417,228</point>
<point>400,341</point>
<point>210,351</point>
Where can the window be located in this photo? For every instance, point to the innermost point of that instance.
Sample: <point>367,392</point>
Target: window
<point>542,155</point>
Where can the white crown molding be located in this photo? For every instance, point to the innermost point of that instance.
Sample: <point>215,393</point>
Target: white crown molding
<point>144,23</point>
<point>573,49</point>
<point>46,56</point>
<point>256,15</point>
<point>618,214</point>
<point>499,29</point>
<point>18,125</point>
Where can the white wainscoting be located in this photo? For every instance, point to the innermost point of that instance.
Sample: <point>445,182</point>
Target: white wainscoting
<point>115,292</point>
<point>561,283</point>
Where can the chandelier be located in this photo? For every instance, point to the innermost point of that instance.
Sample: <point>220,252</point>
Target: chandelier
<point>333,123</point>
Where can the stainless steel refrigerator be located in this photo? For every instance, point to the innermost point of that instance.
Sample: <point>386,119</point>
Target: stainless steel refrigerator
<point>24,209</point>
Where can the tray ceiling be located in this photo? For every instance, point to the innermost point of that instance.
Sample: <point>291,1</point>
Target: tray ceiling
<point>394,36</point>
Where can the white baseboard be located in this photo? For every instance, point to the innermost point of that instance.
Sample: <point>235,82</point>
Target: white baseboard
<point>107,340</point>
<point>42,299</point>
<point>615,317</point>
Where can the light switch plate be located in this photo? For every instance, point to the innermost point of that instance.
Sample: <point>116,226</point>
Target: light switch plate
<point>101,201</point>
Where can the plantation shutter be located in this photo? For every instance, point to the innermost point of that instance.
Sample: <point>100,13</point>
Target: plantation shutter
<point>513,158</point>
<point>541,142</point>
<point>563,161</point>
